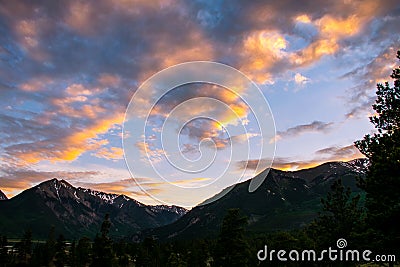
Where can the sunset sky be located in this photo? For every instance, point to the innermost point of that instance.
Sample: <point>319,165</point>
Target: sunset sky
<point>69,69</point>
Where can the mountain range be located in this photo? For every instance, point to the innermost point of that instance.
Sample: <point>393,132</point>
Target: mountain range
<point>285,200</point>
<point>77,212</point>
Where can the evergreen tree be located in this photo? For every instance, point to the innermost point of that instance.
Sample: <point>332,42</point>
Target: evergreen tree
<point>25,247</point>
<point>382,181</point>
<point>232,248</point>
<point>121,251</point>
<point>199,253</point>
<point>102,247</point>
<point>3,251</point>
<point>60,258</point>
<point>149,253</point>
<point>341,217</point>
<point>49,250</point>
<point>83,252</point>
<point>176,260</point>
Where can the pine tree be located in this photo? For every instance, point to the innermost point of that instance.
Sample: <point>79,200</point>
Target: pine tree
<point>232,248</point>
<point>3,251</point>
<point>49,249</point>
<point>176,260</point>
<point>149,253</point>
<point>382,182</point>
<point>102,247</point>
<point>25,247</point>
<point>341,217</point>
<point>60,255</point>
<point>83,252</point>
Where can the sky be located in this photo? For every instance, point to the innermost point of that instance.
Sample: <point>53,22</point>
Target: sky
<point>69,69</point>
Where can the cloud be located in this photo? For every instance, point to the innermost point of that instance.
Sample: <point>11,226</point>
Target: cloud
<point>62,127</point>
<point>63,146</point>
<point>262,51</point>
<point>377,70</point>
<point>345,152</point>
<point>252,164</point>
<point>191,182</point>
<point>329,154</point>
<point>315,126</point>
<point>69,68</point>
<point>300,79</point>
<point>82,64</point>
<point>112,153</point>
<point>149,151</point>
<point>123,187</point>
<point>14,180</point>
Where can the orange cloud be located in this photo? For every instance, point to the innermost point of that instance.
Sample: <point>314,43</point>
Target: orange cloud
<point>72,146</point>
<point>332,29</point>
<point>303,18</point>
<point>262,49</point>
<point>79,102</point>
<point>14,180</point>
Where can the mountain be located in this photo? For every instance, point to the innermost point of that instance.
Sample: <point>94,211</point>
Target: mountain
<point>285,200</point>
<point>2,196</point>
<point>78,212</point>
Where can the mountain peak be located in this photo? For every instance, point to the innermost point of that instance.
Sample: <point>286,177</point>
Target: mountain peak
<point>56,183</point>
<point>3,196</point>
<point>82,210</point>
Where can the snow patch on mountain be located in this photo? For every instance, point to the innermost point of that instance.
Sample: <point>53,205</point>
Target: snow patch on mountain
<point>178,210</point>
<point>357,165</point>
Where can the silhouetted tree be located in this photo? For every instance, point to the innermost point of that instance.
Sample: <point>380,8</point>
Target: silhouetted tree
<point>25,247</point>
<point>199,253</point>
<point>3,251</point>
<point>176,260</point>
<point>149,253</point>
<point>232,248</point>
<point>102,247</point>
<point>341,217</point>
<point>60,257</point>
<point>49,249</point>
<point>83,252</point>
<point>382,181</point>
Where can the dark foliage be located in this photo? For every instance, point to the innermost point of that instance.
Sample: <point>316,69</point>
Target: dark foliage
<point>382,181</point>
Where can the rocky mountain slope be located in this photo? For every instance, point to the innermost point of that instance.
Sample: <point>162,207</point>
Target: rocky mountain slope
<point>285,200</point>
<point>76,212</point>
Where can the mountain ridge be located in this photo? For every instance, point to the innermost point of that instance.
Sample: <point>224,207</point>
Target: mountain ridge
<point>285,200</point>
<point>77,211</point>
